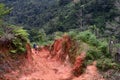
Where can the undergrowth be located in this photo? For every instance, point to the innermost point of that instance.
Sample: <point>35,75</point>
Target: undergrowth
<point>97,50</point>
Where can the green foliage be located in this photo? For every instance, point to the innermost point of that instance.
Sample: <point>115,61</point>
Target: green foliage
<point>18,46</point>
<point>20,40</point>
<point>88,37</point>
<point>97,49</point>
<point>58,35</point>
<point>107,63</point>
<point>31,13</point>
<point>39,36</point>
<point>1,32</point>
<point>93,54</point>
<point>19,32</point>
<point>13,38</point>
<point>13,51</point>
<point>3,10</point>
<point>73,33</point>
<point>103,47</point>
<point>117,45</point>
<point>62,15</point>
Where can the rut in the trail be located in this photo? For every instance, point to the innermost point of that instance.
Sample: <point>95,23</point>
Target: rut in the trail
<point>53,63</point>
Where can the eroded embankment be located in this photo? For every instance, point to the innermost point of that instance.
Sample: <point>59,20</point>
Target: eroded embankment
<point>53,63</point>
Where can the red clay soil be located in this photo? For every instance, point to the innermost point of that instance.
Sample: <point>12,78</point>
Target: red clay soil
<point>52,64</point>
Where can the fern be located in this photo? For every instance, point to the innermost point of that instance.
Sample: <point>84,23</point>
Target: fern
<point>15,36</point>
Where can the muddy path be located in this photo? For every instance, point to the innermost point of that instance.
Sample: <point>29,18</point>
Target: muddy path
<point>44,68</point>
<point>54,64</point>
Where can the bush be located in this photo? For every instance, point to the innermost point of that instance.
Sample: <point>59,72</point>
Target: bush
<point>14,38</point>
<point>20,33</point>
<point>93,41</point>
<point>93,54</point>
<point>97,50</point>
<point>88,37</point>
<point>103,47</point>
<point>96,47</point>
<point>106,63</point>
<point>73,33</point>
<point>39,37</point>
<point>84,36</point>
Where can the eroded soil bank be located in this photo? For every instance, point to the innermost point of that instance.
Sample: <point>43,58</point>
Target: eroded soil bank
<point>50,63</point>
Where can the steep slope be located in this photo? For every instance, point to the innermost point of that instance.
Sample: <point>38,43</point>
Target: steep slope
<point>63,15</point>
<point>52,64</point>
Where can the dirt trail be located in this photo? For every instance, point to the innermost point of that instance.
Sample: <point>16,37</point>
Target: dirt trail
<point>53,65</point>
<point>47,69</point>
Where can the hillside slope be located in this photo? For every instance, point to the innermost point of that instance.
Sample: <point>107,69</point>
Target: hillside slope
<point>30,13</point>
<point>44,64</point>
<point>102,17</point>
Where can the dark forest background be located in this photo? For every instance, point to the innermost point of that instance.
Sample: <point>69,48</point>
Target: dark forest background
<point>101,16</point>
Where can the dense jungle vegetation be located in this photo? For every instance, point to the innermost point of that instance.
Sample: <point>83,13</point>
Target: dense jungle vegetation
<point>93,24</point>
<point>102,16</point>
